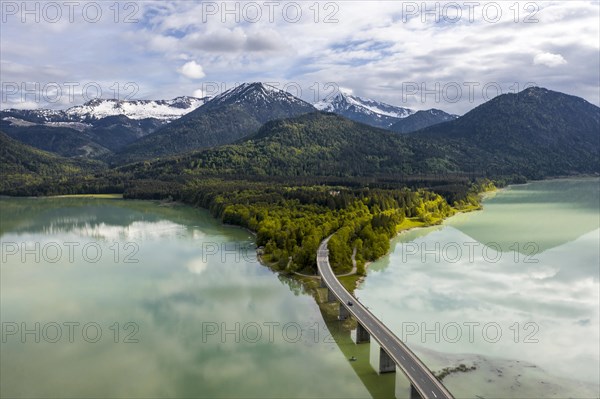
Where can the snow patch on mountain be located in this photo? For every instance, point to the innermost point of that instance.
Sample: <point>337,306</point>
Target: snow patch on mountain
<point>343,102</point>
<point>137,109</point>
<point>23,123</point>
<point>364,110</point>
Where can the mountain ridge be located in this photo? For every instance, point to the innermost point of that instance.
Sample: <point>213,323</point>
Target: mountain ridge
<point>358,109</point>
<point>327,144</point>
<point>226,118</point>
<point>99,108</point>
<point>96,128</point>
<point>422,119</point>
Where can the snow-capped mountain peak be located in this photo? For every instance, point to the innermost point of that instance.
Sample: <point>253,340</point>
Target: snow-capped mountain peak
<point>136,109</point>
<point>370,112</point>
<point>344,101</point>
<point>331,104</point>
<point>257,93</point>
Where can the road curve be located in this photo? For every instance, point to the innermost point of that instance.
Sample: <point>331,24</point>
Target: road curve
<point>420,376</point>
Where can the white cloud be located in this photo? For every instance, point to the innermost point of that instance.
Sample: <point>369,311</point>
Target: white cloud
<point>21,105</point>
<point>371,50</point>
<point>198,93</point>
<point>548,59</point>
<point>192,70</point>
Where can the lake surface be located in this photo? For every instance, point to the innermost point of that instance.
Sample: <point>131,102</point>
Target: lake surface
<point>113,298</point>
<point>512,290</point>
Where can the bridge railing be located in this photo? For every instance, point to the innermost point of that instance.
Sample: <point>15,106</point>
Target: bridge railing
<point>325,258</point>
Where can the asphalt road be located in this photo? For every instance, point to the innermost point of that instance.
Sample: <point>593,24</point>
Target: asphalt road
<point>420,376</point>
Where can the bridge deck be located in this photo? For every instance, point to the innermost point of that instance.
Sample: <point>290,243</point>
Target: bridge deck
<point>426,384</point>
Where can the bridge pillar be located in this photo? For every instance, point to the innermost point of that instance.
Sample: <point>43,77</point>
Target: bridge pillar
<point>344,314</point>
<point>386,363</point>
<point>322,283</point>
<point>414,394</point>
<point>362,335</point>
<point>330,295</point>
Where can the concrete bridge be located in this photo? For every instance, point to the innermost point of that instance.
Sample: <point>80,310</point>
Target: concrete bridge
<point>392,352</point>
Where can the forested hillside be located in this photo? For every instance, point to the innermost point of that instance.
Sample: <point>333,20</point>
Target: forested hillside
<point>29,171</point>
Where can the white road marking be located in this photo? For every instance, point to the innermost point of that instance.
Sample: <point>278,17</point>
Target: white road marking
<point>371,321</point>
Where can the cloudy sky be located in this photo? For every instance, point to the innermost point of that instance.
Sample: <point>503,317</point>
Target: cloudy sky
<point>448,55</point>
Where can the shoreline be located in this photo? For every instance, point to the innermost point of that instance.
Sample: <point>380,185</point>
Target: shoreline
<point>482,197</point>
<point>490,362</point>
<point>367,264</point>
<point>360,280</point>
<point>259,254</point>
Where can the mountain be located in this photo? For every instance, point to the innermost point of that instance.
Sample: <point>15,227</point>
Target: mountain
<point>165,110</point>
<point>316,144</point>
<point>420,120</point>
<point>36,116</point>
<point>60,140</point>
<point>90,139</point>
<point>369,112</point>
<point>262,100</point>
<point>116,132</point>
<point>226,118</point>
<point>96,128</point>
<point>22,165</point>
<point>136,109</point>
<point>536,132</point>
